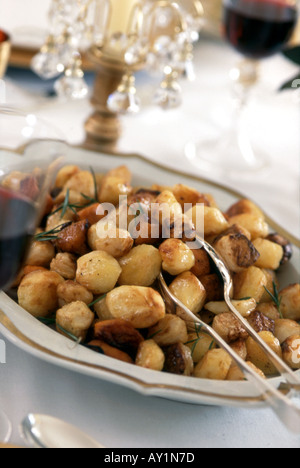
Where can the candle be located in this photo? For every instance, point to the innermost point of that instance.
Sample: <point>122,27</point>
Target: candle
<point>121,14</point>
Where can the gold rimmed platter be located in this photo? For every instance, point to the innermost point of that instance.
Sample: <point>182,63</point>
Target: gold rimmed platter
<point>27,333</point>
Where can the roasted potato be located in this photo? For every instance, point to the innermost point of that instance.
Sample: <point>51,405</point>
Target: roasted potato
<point>213,286</point>
<point>245,206</point>
<point>236,374</point>
<point>150,356</point>
<point>250,283</point>
<point>208,220</point>
<point>110,239</point>
<point>258,357</point>
<point>119,334</point>
<point>75,318</point>
<point>70,291</point>
<point>166,208</point>
<point>187,195</point>
<point>270,254</point>
<point>199,343</point>
<point>141,266</point>
<point>254,224</point>
<point>176,257</point>
<point>214,366</point>
<point>65,265</point>
<point>40,254</point>
<point>90,214</point>
<point>240,348</point>
<point>73,239</point>
<point>259,322</point>
<point>236,250</point>
<point>285,244</point>
<point>290,302</point>
<point>178,360</point>
<point>284,328</point>
<point>64,174</point>
<point>244,307</point>
<point>229,328</point>
<point>291,351</point>
<point>269,309</point>
<point>202,263</point>
<point>98,272</point>
<point>37,292</point>
<point>110,351</point>
<point>189,290</point>
<point>112,188</point>
<point>168,331</point>
<point>142,307</point>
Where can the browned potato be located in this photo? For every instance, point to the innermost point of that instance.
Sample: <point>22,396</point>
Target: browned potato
<point>73,239</point>
<point>291,351</point>
<point>236,374</point>
<point>75,318</point>
<point>112,188</point>
<point>98,272</point>
<point>55,219</point>
<point>214,287</point>
<point>176,257</point>
<point>236,250</point>
<point>37,292</point>
<point>269,288</point>
<point>254,224</point>
<point>229,328</point>
<point>169,330</point>
<point>270,254</point>
<point>239,346</point>
<point>81,182</point>
<point>290,302</point>
<point>214,366</point>
<point>150,356</point>
<point>65,265</point>
<point>40,254</point>
<point>119,334</point>
<point>199,343</point>
<point>284,328</point>
<point>285,244</point>
<point>208,220</point>
<point>122,173</point>
<point>189,290</point>
<point>141,266</point>
<point>243,207</point>
<point>90,214</point>
<point>166,208</point>
<point>250,283</point>
<point>70,291</point>
<point>110,239</point>
<point>142,307</point>
<point>178,360</point>
<point>110,351</point>
<point>260,322</point>
<point>188,195</point>
<point>269,309</point>
<point>64,174</point>
<point>258,357</point>
<point>244,307</point>
<point>202,263</point>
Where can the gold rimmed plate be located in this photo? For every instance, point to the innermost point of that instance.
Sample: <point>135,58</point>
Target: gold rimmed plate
<point>26,332</point>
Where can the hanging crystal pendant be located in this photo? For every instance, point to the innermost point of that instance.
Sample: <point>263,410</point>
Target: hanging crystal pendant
<point>72,85</point>
<point>47,63</point>
<point>169,94</point>
<point>124,99</point>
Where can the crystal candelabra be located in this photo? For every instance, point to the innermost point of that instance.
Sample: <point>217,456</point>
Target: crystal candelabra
<point>119,38</point>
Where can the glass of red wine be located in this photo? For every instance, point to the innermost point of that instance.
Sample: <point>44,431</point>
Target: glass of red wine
<point>25,182</point>
<point>257,29</point>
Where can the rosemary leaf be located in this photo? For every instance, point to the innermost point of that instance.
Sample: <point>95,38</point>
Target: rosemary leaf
<point>275,298</point>
<point>96,199</point>
<point>97,300</point>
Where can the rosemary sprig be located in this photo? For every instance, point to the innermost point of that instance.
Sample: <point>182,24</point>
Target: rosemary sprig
<point>69,334</point>
<point>275,297</point>
<point>97,300</point>
<point>198,328</point>
<point>52,234</point>
<point>96,198</point>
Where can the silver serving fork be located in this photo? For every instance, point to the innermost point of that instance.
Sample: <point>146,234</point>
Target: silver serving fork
<point>285,408</point>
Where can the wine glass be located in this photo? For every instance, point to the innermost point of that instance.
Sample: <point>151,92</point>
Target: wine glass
<point>256,29</point>
<point>25,181</point>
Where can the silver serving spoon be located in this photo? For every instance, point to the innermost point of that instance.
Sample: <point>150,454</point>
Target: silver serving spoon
<point>47,432</point>
<point>284,370</point>
<point>285,408</point>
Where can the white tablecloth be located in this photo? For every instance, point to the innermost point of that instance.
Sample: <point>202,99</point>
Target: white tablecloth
<point>116,416</point>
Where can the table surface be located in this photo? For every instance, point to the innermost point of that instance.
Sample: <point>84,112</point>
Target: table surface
<point>116,416</point>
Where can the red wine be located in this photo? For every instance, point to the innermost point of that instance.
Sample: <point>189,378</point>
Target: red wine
<point>259,28</point>
<point>17,225</point>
